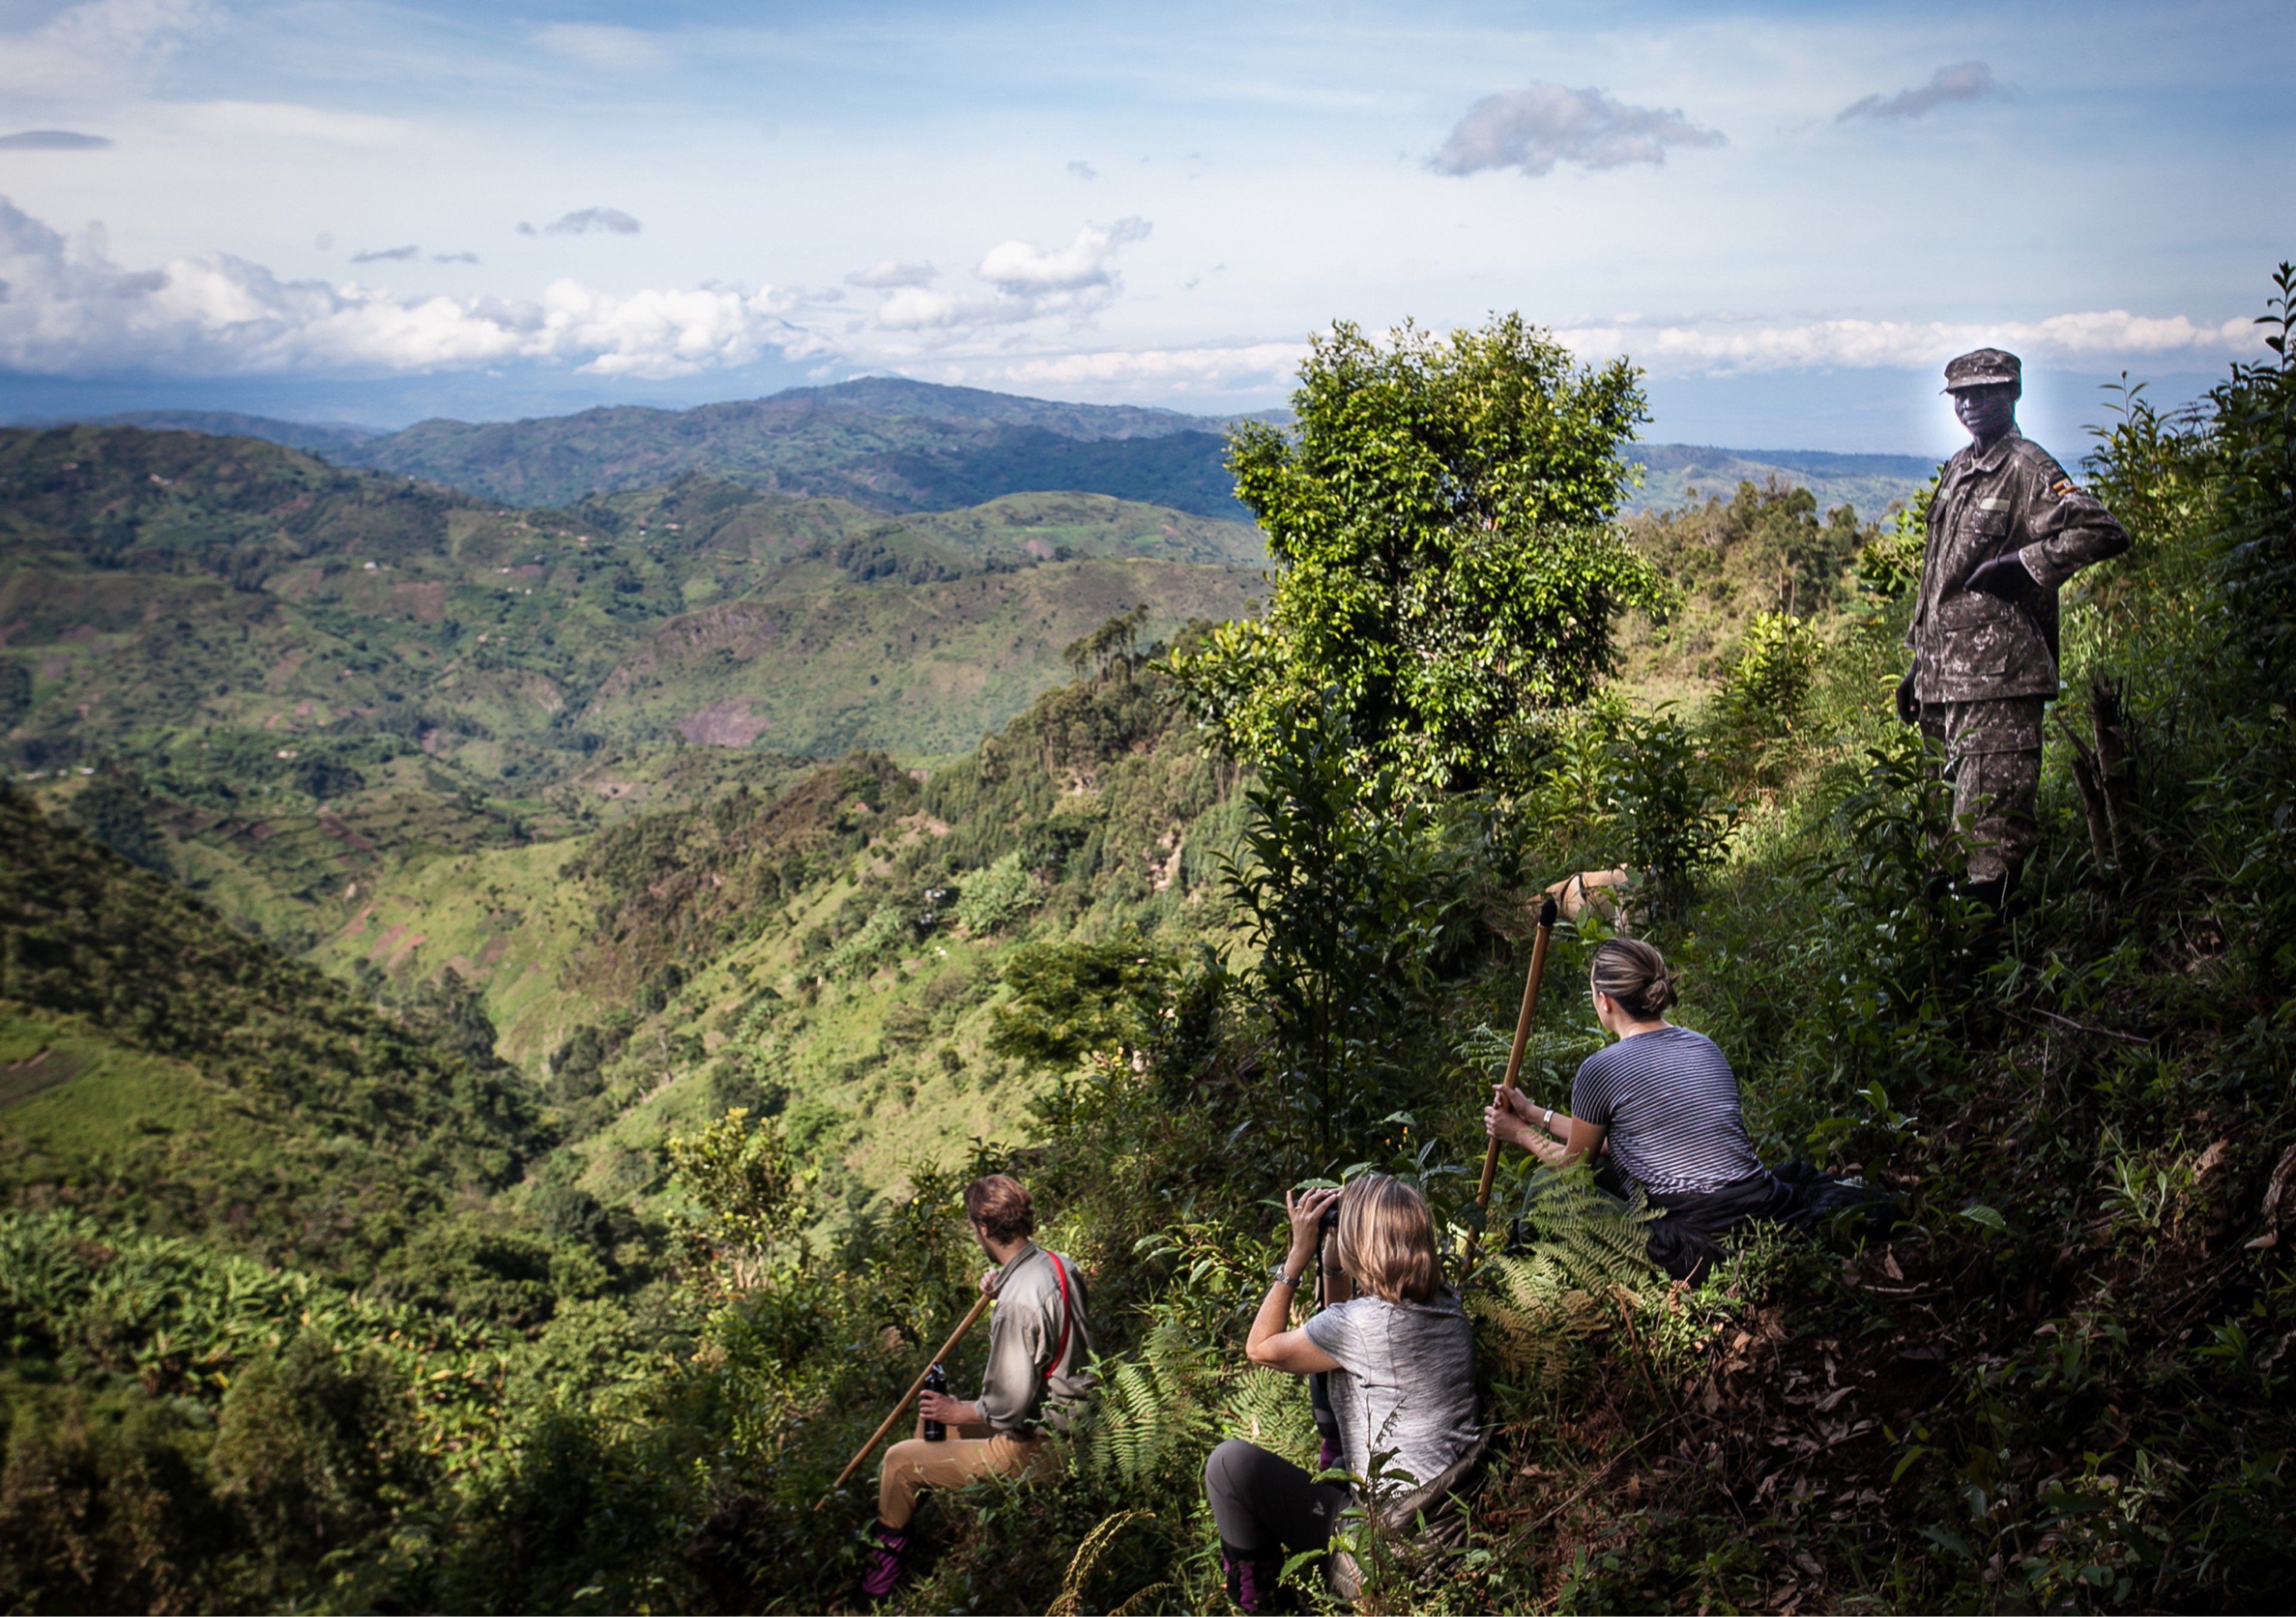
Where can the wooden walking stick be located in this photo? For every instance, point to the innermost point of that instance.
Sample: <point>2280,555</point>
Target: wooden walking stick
<point>1547,914</point>
<point>886,1424</point>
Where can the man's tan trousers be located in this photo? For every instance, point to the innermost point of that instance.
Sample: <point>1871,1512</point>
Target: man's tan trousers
<point>966,1452</point>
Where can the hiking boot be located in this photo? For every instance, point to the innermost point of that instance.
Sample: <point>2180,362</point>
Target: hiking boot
<point>887,1561</point>
<point>1255,1583</point>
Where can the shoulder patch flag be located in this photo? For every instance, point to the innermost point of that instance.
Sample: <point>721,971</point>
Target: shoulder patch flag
<point>2062,486</point>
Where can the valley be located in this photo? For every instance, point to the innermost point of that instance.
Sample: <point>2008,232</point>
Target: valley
<point>498,1002</point>
<point>500,762</point>
<point>409,733</point>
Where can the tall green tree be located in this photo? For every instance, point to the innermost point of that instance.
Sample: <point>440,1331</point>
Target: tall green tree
<point>1346,890</point>
<point>1440,516</point>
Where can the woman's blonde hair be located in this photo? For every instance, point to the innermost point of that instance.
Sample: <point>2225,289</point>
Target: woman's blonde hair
<point>1635,974</point>
<point>1386,1239</point>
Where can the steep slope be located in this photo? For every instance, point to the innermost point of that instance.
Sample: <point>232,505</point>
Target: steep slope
<point>153,1057</point>
<point>829,950</point>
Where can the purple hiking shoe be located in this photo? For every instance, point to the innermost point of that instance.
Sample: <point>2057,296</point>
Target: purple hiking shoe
<point>887,1561</point>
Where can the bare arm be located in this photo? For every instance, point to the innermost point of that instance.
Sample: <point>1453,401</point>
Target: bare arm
<point>1270,1343</point>
<point>1555,1138</point>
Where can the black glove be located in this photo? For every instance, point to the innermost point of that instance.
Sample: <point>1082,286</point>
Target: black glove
<point>1909,706</point>
<point>2005,579</point>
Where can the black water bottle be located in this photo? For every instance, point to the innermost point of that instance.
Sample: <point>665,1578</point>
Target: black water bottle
<point>936,1381</point>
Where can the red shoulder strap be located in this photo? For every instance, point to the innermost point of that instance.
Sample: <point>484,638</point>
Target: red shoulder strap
<point>1060,1273</point>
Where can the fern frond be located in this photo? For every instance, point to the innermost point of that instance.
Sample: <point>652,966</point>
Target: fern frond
<point>1153,1420</point>
<point>1271,1410</point>
<point>1535,1311</point>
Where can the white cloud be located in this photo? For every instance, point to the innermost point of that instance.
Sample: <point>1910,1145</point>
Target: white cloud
<point>286,120</point>
<point>1084,171</point>
<point>75,313</point>
<point>381,255</point>
<point>581,223</point>
<point>1537,127</point>
<point>1024,281</point>
<point>616,50</point>
<point>1024,268</point>
<point>886,272</point>
<point>98,47</point>
<point>1961,81</point>
<point>1908,344</point>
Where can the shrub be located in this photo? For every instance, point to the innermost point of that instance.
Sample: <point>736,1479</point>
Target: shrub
<point>994,898</point>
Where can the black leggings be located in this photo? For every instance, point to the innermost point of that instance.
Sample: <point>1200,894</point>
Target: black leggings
<point>1261,1500</point>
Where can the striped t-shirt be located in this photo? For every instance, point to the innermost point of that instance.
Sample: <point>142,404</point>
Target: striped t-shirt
<point>1671,1102</point>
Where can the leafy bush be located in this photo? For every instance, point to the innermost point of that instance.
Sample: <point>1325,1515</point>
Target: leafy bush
<point>1439,518</point>
<point>1069,1000</point>
<point>994,898</point>
<point>1669,794</point>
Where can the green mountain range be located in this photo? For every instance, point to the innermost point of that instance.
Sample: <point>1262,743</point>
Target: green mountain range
<point>895,445</point>
<point>500,995</point>
<point>156,582</point>
<point>1678,474</point>
<point>891,445</point>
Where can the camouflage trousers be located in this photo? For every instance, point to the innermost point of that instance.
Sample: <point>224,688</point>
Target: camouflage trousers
<point>1993,759</point>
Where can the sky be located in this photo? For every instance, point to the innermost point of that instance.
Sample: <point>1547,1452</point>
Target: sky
<point>1790,215</point>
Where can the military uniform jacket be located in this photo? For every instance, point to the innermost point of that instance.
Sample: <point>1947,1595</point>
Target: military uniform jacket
<point>2010,496</point>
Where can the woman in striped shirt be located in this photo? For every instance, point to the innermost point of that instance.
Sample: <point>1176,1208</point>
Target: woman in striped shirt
<point>1663,1103</point>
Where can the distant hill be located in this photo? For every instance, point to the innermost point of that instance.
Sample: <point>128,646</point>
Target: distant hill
<point>892,445</point>
<point>332,438</point>
<point>886,444</point>
<point>1870,482</point>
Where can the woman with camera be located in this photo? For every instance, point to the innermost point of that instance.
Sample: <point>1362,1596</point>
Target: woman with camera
<point>1399,1369</point>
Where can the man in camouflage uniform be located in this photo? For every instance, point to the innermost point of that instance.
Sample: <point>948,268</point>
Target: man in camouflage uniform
<point>2005,528</point>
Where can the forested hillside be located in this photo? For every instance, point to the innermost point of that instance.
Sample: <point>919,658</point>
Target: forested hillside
<point>303,676</point>
<point>890,443</point>
<point>886,443</point>
<point>1232,906</point>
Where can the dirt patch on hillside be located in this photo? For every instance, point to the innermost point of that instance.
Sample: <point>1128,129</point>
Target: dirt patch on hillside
<point>427,601</point>
<point>20,1080</point>
<point>723,724</point>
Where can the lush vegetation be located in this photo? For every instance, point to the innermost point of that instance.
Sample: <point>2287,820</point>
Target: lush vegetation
<point>1441,514</point>
<point>293,686</point>
<point>781,1019</point>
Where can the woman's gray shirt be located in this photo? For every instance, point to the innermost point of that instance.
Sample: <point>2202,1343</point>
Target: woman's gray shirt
<point>1406,1385</point>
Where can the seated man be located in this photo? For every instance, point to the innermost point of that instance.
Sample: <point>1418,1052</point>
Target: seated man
<point>1038,1345</point>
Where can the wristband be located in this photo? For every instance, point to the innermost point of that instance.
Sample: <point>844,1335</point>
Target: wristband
<point>1276,1275</point>
<point>1550,1120</point>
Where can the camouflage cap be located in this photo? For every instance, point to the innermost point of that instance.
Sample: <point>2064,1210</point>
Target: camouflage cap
<point>1983,368</point>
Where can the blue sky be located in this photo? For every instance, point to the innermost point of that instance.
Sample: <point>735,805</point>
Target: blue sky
<point>1789,214</point>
